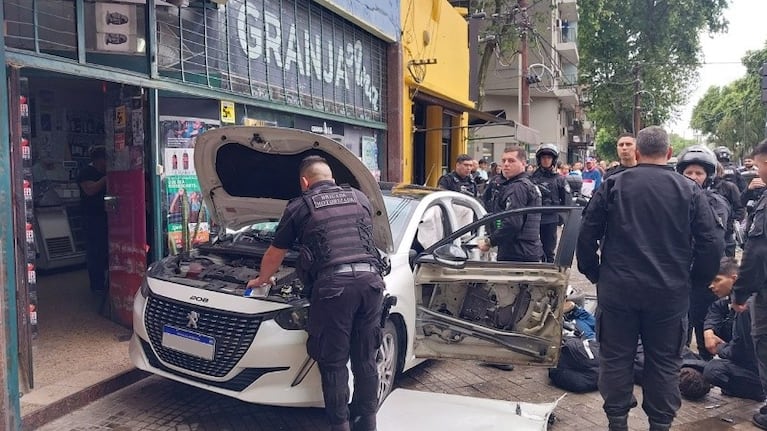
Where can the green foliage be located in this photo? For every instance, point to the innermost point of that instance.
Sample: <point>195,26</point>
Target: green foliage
<point>605,143</point>
<point>733,115</point>
<point>679,143</point>
<point>661,38</point>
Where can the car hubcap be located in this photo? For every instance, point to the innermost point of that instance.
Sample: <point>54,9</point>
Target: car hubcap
<point>385,361</point>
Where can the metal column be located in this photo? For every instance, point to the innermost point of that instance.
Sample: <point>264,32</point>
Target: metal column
<point>10,410</point>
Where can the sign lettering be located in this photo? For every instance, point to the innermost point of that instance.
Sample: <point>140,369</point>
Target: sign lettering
<point>287,43</point>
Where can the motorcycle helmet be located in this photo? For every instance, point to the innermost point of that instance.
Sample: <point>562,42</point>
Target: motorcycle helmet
<point>698,155</point>
<point>549,149</point>
<point>723,154</point>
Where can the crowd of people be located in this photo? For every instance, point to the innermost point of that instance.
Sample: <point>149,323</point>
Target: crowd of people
<point>659,241</point>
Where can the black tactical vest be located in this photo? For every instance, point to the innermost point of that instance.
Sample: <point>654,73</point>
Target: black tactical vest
<point>532,227</point>
<point>547,184</point>
<point>339,229</point>
<point>531,231</point>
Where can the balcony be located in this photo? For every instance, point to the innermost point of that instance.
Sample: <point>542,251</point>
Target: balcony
<point>568,10</point>
<point>567,42</point>
<point>568,97</point>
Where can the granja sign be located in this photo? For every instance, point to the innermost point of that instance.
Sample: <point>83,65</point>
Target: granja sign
<point>309,50</point>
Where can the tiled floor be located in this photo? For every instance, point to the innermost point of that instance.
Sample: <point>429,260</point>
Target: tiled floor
<point>76,347</point>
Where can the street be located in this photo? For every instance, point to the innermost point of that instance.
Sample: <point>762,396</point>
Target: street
<point>156,404</point>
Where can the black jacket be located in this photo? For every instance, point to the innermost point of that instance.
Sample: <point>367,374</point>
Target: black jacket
<point>655,225</point>
<point>518,235</point>
<point>720,318</point>
<point>740,349</point>
<point>732,194</point>
<point>454,182</point>
<point>732,174</point>
<point>752,276</point>
<point>555,191</point>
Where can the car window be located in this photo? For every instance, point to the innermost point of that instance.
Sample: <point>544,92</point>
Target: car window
<point>431,227</point>
<point>400,211</point>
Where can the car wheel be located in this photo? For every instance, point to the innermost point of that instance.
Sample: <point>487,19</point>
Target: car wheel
<point>387,360</point>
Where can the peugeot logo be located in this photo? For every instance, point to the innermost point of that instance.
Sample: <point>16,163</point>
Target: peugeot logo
<point>192,316</point>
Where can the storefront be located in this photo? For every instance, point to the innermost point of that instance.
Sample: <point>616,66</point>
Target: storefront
<point>143,79</point>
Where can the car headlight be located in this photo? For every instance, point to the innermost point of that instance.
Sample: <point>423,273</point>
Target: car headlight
<point>293,319</point>
<point>144,289</point>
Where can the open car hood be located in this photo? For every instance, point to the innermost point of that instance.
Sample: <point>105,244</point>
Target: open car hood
<point>248,173</point>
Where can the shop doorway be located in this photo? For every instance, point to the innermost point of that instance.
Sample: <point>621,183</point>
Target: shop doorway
<point>77,333</point>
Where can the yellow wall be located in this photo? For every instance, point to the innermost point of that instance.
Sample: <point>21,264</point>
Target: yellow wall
<point>433,29</point>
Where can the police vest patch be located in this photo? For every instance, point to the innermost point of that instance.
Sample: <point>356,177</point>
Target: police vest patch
<point>323,200</point>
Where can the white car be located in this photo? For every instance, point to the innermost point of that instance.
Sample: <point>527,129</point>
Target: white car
<point>192,323</point>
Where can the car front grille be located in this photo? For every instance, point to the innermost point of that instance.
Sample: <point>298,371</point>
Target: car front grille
<point>233,333</point>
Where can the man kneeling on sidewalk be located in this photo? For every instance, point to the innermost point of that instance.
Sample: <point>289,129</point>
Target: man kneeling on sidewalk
<point>736,370</point>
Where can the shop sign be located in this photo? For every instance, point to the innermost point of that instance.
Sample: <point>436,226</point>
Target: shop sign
<point>227,112</point>
<point>308,52</point>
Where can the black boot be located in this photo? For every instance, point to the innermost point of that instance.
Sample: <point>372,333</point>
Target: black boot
<point>760,420</point>
<point>658,426</point>
<point>364,423</point>
<point>618,423</point>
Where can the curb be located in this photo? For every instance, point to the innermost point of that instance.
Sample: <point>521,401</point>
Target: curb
<point>79,399</point>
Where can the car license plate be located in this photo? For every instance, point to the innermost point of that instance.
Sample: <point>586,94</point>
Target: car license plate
<point>191,343</point>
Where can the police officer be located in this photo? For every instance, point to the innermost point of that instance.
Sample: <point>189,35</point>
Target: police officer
<point>461,179</point>
<point>651,223</point>
<point>518,236</point>
<point>698,163</point>
<point>555,191</point>
<point>92,182</point>
<point>753,278</point>
<point>729,191</point>
<point>626,148</point>
<point>731,172</point>
<point>339,258</point>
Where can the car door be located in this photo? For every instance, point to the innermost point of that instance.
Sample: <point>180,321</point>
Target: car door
<point>471,307</point>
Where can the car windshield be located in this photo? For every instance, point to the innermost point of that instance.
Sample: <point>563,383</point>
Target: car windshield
<point>399,211</point>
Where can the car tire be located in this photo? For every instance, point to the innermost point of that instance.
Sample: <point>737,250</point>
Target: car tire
<point>387,360</point>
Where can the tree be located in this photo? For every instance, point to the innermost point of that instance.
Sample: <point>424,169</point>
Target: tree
<point>499,38</point>
<point>656,41</point>
<point>679,143</point>
<point>605,143</point>
<point>733,115</point>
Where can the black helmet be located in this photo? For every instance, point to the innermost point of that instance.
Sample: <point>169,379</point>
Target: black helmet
<point>549,149</point>
<point>723,154</point>
<point>698,155</point>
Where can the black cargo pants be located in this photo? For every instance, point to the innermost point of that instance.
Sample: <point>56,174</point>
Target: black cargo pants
<point>759,333</point>
<point>344,323</point>
<point>549,241</point>
<point>663,333</point>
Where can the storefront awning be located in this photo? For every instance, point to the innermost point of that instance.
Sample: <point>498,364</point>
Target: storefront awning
<point>521,133</point>
<point>479,118</point>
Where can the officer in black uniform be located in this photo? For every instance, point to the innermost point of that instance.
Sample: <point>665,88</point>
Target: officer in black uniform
<point>461,179</point>
<point>92,181</point>
<point>730,192</point>
<point>731,172</point>
<point>651,224</point>
<point>753,278</point>
<point>698,163</point>
<point>518,236</point>
<point>339,259</point>
<point>555,191</point>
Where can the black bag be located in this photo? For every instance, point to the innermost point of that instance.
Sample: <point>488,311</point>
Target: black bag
<point>578,366</point>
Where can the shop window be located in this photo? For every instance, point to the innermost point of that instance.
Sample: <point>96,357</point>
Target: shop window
<point>56,30</point>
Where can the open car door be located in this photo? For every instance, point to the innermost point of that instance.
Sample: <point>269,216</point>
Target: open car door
<point>469,306</point>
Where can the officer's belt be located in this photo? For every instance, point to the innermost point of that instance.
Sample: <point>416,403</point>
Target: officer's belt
<point>350,268</point>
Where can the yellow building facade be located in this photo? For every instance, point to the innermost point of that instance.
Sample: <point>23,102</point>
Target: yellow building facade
<point>435,49</point>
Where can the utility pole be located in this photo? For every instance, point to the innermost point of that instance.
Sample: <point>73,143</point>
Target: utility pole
<point>637,117</point>
<point>524,89</point>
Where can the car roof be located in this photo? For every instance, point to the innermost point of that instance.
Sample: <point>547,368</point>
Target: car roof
<point>404,190</point>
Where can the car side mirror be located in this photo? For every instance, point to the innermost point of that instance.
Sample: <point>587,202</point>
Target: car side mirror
<point>451,256</point>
